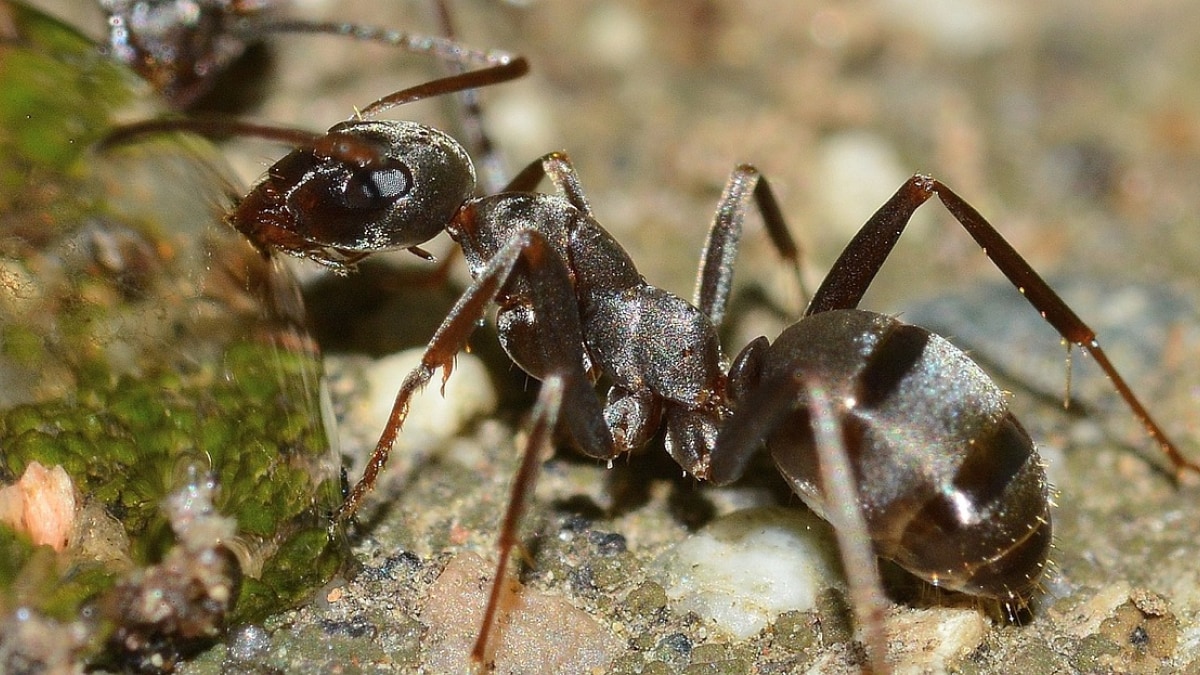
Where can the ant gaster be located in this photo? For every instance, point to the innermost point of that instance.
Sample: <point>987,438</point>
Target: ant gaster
<point>888,431</point>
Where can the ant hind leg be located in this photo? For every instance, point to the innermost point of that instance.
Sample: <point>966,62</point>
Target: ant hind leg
<point>862,258</point>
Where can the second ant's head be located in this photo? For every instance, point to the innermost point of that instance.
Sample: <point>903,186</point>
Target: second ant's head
<point>365,186</point>
<point>178,47</point>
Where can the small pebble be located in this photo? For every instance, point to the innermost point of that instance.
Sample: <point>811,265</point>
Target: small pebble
<point>435,414</point>
<point>747,568</point>
<point>248,643</point>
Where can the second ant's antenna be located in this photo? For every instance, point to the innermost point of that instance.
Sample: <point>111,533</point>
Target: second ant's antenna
<point>218,127</point>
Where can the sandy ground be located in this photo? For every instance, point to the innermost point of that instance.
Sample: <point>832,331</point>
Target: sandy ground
<point>1073,126</point>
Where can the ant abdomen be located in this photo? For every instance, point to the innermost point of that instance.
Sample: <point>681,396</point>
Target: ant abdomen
<point>950,484</point>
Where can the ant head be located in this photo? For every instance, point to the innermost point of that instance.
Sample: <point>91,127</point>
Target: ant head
<point>365,186</point>
<point>178,47</point>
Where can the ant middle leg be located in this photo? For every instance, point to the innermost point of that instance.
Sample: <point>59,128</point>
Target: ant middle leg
<point>715,276</point>
<point>862,258</point>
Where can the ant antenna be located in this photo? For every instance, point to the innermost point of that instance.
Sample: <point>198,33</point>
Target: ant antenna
<point>209,128</point>
<point>472,79</point>
<point>488,162</point>
<point>445,48</point>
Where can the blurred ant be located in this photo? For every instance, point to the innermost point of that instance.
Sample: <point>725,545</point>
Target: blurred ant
<point>181,47</point>
<point>886,430</point>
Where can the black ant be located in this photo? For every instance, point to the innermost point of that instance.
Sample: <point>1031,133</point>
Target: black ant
<point>888,431</point>
<point>182,47</point>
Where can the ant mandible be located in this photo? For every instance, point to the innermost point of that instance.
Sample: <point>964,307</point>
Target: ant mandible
<point>886,430</point>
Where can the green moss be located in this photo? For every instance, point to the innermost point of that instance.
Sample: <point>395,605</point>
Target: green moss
<point>129,378</point>
<point>22,345</point>
<point>15,550</point>
<point>124,449</point>
<point>302,563</point>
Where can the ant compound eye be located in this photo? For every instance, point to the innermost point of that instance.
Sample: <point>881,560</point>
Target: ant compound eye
<point>393,182</point>
<point>367,189</point>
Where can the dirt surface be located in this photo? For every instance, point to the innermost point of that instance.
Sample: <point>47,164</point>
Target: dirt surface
<point>1073,126</point>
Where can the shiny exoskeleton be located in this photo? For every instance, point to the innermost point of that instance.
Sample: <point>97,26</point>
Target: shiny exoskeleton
<point>888,431</point>
<point>951,485</point>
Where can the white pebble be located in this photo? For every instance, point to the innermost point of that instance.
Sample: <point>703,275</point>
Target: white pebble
<point>434,415</point>
<point>960,27</point>
<point>857,168</point>
<point>745,569</point>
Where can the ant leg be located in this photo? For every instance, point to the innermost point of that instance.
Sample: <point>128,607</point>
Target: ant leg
<point>558,168</point>
<point>559,341</point>
<point>715,277</point>
<point>849,526</point>
<point>487,158</point>
<point>716,271</point>
<point>545,415</point>
<point>854,270</point>
<point>772,403</point>
<point>761,409</point>
<point>852,273</point>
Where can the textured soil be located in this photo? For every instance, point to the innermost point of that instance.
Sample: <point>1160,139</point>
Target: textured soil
<point>1073,126</point>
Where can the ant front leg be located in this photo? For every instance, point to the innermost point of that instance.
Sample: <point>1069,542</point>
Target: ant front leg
<point>557,342</point>
<point>854,270</point>
<point>545,414</point>
<point>633,414</point>
<point>557,345</point>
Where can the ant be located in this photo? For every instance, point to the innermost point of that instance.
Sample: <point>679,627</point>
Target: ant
<point>182,47</point>
<point>886,430</point>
